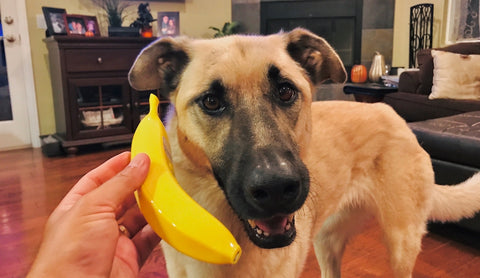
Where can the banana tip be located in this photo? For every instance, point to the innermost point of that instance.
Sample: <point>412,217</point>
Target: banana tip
<point>236,257</point>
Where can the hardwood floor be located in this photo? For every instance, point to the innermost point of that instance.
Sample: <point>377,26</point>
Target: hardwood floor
<point>31,185</point>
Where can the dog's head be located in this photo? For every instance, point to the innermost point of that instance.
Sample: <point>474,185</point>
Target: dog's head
<point>243,115</point>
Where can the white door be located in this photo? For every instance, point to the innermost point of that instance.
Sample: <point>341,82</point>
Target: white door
<point>18,119</point>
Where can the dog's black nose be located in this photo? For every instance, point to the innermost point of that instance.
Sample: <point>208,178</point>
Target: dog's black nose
<point>278,190</point>
<point>275,186</point>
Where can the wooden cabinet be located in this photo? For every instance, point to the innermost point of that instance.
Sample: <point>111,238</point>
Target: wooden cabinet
<point>92,98</point>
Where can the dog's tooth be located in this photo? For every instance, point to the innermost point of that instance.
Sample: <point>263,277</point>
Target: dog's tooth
<point>288,226</point>
<point>266,234</point>
<point>258,231</point>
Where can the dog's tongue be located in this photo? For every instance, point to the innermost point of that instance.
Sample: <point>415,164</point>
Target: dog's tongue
<point>274,226</point>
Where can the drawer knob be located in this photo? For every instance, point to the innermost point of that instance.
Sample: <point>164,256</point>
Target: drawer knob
<point>100,60</point>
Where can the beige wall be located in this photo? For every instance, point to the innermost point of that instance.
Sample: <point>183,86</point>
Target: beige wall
<point>195,18</point>
<point>401,28</point>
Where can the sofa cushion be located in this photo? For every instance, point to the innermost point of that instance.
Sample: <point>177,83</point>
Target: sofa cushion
<point>425,62</point>
<point>425,65</point>
<point>416,107</point>
<point>408,81</point>
<point>455,76</point>
<point>455,139</point>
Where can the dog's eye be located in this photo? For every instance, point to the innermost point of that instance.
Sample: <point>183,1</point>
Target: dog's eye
<point>287,94</point>
<point>212,103</point>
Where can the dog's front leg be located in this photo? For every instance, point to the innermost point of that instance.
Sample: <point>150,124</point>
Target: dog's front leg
<point>330,242</point>
<point>175,262</point>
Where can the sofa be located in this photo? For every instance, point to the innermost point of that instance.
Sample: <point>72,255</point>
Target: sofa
<point>453,144</point>
<point>447,128</point>
<point>412,99</point>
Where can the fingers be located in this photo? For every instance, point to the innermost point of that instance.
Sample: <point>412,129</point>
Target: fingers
<point>145,241</point>
<point>133,220</point>
<point>91,181</point>
<point>101,174</point>
<point>95,178</point>
<point>120,188</point>
<point>141,234</point>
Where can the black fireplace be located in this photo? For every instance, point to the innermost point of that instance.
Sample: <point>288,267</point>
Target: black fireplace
<point>338,21</point>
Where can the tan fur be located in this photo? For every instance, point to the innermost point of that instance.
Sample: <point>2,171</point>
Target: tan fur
<point>194,153</point>
<point>363,159</point>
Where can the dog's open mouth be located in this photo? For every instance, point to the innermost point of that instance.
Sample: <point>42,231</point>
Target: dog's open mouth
<point>274,232</point>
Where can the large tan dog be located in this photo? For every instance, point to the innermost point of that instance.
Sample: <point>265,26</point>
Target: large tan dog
<point>282,173</point>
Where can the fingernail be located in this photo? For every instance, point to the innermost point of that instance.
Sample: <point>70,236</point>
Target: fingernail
<point>139,160</point>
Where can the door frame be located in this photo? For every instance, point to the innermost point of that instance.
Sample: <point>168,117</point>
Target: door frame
<point>30,92</point>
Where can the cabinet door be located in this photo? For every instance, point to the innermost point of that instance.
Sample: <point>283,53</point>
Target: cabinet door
<point>141,105</point>
<point>99,107</point>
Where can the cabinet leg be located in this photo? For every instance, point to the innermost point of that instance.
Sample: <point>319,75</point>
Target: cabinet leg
<point>71,151</point>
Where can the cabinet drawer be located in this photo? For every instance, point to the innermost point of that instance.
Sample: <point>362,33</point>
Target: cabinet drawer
<point>89,60</point>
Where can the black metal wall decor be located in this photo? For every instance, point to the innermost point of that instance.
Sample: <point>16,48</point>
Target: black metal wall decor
<point>421,30</point>
<point>471,29</point>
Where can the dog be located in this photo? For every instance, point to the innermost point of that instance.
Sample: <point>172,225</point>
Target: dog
<point>282,172</point>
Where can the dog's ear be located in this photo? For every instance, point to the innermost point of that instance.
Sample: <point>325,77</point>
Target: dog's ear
<point>159,65</point>
<point>316,56</point>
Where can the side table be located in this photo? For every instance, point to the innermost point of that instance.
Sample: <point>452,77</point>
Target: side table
<point>368,92</point>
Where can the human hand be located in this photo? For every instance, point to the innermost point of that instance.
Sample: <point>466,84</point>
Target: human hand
<point>82,237</point>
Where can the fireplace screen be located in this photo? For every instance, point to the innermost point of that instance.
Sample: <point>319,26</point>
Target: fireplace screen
<point>339,22</point>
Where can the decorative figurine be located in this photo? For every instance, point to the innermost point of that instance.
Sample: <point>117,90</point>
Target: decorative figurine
<point>144,20</point>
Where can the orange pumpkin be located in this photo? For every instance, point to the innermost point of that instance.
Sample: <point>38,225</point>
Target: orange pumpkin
<point>147,32</point>
<point>358,74</point>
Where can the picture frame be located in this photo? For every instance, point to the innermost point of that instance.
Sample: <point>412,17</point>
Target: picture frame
<point>462,24</point>
<point>55,20</point>
<point>91,26</point>
<point>75,24</point>
<point>82,25</point>
<point>168,24</point>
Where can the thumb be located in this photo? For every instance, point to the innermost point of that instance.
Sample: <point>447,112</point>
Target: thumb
<point>117,189</point>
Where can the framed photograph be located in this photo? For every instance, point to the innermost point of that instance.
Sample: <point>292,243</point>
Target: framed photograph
<point>55,19</point>
<point>75,24</point>
<point>91,26</point>
<point>462,21</point>
<point>168,24</point>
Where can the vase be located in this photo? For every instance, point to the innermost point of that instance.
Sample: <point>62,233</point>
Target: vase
<point>377,70</point>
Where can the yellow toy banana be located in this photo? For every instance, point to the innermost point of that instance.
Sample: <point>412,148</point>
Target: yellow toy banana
<point>169,210</point>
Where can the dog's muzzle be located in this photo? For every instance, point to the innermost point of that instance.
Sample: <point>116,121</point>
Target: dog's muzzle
<point>265,192</point>
<point>276,189</point>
